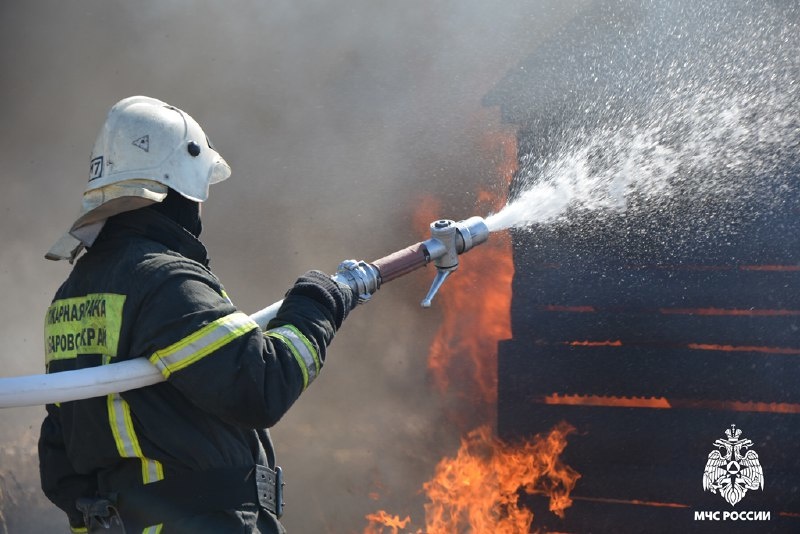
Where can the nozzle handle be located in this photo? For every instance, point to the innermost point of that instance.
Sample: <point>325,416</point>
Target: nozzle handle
<point>438,280</point>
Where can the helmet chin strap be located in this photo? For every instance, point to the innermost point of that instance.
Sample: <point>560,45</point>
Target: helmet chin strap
<point>181,210</point>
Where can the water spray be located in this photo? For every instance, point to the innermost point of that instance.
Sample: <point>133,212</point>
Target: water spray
<point>448,240</point>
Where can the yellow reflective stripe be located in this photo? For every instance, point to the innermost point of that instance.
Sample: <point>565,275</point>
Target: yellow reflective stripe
<point>78,530</point>
<point>201,343</point>
<point>152,470</point>
<point>83,325</point>
<point>309,346</point>
<point>119,417</point>
<point>302,350</point>
<point>155,529</point>
<point>300,362</point>
<point>224,295</point>
<point>118,411</point>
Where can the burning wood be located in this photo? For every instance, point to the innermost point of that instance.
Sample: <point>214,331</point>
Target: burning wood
<point>665,403</point>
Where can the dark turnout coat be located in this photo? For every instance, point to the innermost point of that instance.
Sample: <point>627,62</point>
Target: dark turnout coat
<point>144,290</point>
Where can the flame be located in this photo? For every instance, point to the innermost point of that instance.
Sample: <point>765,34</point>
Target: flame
<point>600,400</point>
<point>664,403</point>
<point>480,300</point>
<point>475,299</point>
<point>744,348</point>
<point>381,519</point>
<point>478,489</point>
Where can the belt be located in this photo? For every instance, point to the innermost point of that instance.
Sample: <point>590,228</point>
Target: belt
<point>196,493</point>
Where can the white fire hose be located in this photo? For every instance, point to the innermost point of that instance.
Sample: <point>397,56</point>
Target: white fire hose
<point>33,390</point>
<point>448,240</point>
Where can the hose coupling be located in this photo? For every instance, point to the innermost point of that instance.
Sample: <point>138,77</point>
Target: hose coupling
<point>361,277</point>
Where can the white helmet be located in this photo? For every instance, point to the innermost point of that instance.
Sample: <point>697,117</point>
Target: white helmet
<point>145,147</point>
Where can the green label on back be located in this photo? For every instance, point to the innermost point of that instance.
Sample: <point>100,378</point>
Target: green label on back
<point>83,325</point>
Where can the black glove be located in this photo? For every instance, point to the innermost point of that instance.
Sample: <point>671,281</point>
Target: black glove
<point>338,298</point>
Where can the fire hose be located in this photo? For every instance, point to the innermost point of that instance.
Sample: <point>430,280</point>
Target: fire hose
<point>448,240</point>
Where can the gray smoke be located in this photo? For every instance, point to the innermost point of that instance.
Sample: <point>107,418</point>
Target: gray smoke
<point>336,118</point>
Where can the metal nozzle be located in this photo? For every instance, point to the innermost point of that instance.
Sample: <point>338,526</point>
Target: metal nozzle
<point>448,240</point>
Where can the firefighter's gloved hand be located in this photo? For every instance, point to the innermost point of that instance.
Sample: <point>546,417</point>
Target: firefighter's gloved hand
<point>338,298</point>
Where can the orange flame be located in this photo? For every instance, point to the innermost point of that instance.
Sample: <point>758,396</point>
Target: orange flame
<point>664,403</point>
<point>744,348</point>
<point>381,519</point>
<point>600,400</point>
<point>478,490</point>
<point>476,299</point>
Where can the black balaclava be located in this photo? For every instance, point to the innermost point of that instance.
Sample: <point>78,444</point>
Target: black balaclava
<point>181,210</point>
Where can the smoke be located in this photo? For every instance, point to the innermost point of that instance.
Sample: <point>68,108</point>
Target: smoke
<point>335,117</point>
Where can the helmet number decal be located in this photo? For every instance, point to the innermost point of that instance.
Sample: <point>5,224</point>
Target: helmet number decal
<point>96,168</point>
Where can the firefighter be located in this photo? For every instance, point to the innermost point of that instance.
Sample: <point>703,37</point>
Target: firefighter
<point>192,453</point>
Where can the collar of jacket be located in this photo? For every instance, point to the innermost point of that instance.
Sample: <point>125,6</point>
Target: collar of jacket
<point>153,225</point>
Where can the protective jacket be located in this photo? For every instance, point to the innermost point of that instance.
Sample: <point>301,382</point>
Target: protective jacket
<point>144,290</point>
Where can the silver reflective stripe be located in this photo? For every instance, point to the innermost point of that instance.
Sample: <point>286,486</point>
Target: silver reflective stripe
<point>118,416</point>
<point>152,470</point>
<point>301,348</point>
<point>201,343</point>
<point>155,529</point>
